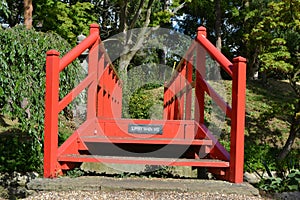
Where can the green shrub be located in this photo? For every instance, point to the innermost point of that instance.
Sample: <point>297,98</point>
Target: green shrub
<point>147,102</point>
<point>22,88</point>
<point>74,173</point>
<point>290,182</point>
<point>19,152</point>
<point>258,155</point>
<point>139,105</point>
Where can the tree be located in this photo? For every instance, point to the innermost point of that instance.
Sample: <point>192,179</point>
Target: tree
<point>218,24</point>
<point>249,16</point>
<point>68,20</point>
<point>216,16</point>
<point>10,12</point>
<point>277,36</point>
<point>122,17</point>
<point>147,13</point>
<point>28,8</point>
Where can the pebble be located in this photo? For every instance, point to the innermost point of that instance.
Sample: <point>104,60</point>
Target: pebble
<point>140,195</point>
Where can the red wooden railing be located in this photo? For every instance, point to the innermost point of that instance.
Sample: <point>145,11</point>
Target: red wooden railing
<point>181,84</point>
<point>104,106</point>
<point>104,89</point>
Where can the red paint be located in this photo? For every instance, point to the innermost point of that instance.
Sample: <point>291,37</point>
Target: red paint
<point>51,114</point>
<point>104,124</point>
<point>237,120</point>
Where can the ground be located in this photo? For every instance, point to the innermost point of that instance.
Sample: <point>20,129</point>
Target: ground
<point>97,187</point>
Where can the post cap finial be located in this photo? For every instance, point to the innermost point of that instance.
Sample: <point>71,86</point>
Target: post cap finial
<point>94,25</point>
<point>94,28</point>
<point>239,59</point>
<point>201,30</point>
<point>52,52</point>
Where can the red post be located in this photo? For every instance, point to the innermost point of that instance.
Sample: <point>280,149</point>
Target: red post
<point>182,75</point>
<point>166,99</point>
<point>200,74</point>
<point>188,97</point>
<point>93,63</point>
<point>118,107</point>
<point>109,84</point>
<point>237,120</point>
<point>51,114</point>
<point>172,98</point>
<point>100,105</point>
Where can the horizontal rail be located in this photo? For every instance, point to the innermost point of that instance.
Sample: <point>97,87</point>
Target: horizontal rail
<point>186,58</point>
<point>216,54</point>
<point>222,152</point>
<point>181,92</point>
<point>78,50</point>
<point>187,55</point>
<point>76,91</point>
<point>143,160</point>
<point>216,98</point>
<point>160,141</point>
<point>184,90</point>
<point>108,60</point>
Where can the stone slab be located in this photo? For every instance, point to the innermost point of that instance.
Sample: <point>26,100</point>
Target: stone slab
<point>95,183</point>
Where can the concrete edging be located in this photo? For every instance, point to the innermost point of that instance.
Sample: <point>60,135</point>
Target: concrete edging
<point>96,183</point>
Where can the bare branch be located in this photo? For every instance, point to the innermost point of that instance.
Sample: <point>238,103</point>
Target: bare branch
<point>137,14</point>
<point>175,10</point>
<point>123,16</point>
<point>148,13</point>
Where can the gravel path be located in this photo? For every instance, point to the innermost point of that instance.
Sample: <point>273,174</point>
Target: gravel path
<point>140,195</point>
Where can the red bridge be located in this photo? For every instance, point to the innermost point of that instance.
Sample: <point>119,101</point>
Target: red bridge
<point>177,140</point>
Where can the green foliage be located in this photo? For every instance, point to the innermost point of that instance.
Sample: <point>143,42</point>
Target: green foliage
<point>161,17</point>
<point>66,128</point>
<point>276,57</point>
<point>196,13</point>
<point>278,22</point>
<point>257,155</point>
<point>19,152</point>
<point>66,20</point>
<point>158,171</point>
<point>22,83</point>
<point>76,172</point>
<point>290,182</point>
<point>4,10</point>
<point>143,76</point>
<point>151,171</point>
<point>266,126</point>
<point>141,104</point>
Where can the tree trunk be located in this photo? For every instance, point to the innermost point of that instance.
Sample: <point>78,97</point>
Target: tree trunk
<point>130,48</point>
<point>294,131</point>
<point>28,8</point>
<point>123,17</point>
<point>218,31</point>
<point>163,62</point>
<point>218,24</point>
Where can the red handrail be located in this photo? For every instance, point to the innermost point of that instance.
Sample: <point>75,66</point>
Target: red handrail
<point>213,51</point>
<point>80,48</point>
<point>96,70</point>
<point>217,55</point>
<point>236,112</point>
<point>75,92</point>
